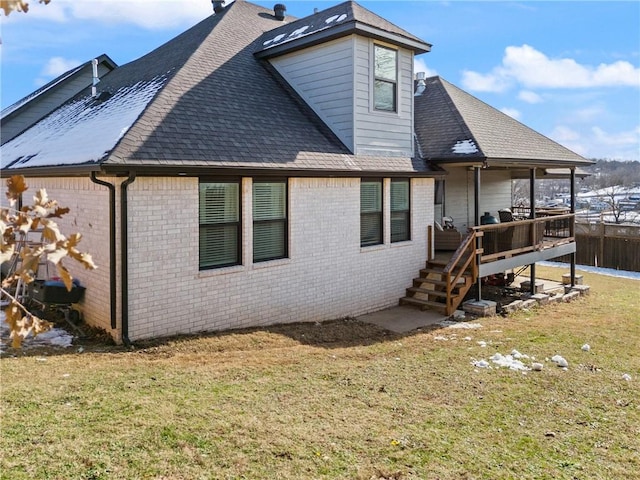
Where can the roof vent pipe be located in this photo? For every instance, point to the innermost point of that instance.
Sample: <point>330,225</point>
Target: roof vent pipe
<point>420,84</point>
<point>96,80</point>
<point>218,5</point>
<point>278,10</point>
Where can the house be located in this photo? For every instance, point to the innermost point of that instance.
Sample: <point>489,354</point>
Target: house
<point>33,108</point>
<point>285,174</point>
<point>463,134</point>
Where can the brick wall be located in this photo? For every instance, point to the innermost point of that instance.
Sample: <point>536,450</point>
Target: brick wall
<point>327,276</point>
<point>89,215</point>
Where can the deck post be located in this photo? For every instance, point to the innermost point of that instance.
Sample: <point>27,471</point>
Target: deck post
<point>532,216</point>
<point>572,225</point>
<point>476,201</point>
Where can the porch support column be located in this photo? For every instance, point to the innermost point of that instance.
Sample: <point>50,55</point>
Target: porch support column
<point>532,215</point>
<point>476,221</point>
<point>572,224</point>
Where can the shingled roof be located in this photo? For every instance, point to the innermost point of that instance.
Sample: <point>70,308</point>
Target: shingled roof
<point>341,20</point>
<point>201,101</point>
<point>453,126</point>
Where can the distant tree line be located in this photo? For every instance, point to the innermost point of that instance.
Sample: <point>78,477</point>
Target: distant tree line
<point>602,174</point>
<point>609,173</point>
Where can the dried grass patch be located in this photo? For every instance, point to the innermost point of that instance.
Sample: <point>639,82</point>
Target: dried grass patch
<point>339,400</point>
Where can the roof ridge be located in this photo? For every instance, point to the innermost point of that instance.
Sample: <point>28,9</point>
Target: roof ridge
<point>507,117</point>
<point>214,20</point>
<point>448,116</point>
<point>219,70</point>
<point>457,114</point>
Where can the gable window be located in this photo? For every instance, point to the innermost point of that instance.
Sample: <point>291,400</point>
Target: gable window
<point>399,200</point>
<point>269,220</point>
<point>370,212</point>
<point>219,213</point>
<point>385,88</point>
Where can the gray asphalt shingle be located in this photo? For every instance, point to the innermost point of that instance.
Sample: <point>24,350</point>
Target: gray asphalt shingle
<point>217,105</point>
<point>446,116</point>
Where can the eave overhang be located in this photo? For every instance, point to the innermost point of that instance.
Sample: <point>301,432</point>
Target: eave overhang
<point>343,30</point>
<point>511,163</point>
<point>200,170</point>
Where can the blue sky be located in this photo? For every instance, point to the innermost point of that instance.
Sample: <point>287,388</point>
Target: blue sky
<point>568,69</point>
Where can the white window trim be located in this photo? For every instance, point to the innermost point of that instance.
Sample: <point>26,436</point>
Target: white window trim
<point>372,79</point>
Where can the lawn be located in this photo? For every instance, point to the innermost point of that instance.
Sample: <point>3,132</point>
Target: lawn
<point>340,399</point>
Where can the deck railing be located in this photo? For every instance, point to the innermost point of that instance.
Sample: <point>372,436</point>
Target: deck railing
<point>509,239</point>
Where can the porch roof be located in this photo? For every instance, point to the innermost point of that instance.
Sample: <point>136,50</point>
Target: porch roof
<point>454,127</point>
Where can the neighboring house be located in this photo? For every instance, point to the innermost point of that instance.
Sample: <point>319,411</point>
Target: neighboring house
<point>285,174</point>
<point>33,108</point>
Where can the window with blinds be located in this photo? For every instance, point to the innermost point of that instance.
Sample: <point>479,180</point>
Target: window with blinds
<point>399,201</point>
<point>269,220</point>
<point>219,224</point>
<point>385,78</point>
<point>370,212</point>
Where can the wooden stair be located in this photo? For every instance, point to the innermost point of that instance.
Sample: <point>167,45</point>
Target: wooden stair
<point>443,285</point>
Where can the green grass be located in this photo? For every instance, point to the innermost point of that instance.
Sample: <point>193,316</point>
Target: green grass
<point>339,400</point>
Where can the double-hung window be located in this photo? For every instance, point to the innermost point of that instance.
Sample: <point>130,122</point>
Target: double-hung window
<point>370,212</point>
<point>400,209</point>
<point>269,220</point>
<point>219,213</point>
<point>385,70</point>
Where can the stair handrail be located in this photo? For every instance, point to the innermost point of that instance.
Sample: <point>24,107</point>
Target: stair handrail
<point>468,245</point>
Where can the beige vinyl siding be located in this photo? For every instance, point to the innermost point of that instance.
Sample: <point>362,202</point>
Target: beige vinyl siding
<point>495,194</point>
<point>323,77</point>
<point>382,133</point>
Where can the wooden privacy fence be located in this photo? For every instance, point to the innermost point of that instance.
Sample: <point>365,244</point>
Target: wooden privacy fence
<point>608,246</point>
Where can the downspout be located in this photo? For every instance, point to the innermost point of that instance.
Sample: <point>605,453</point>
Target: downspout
<point>112,246</point>
<point>124,243</point>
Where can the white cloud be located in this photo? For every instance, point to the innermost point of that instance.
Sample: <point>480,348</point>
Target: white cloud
<point>617,139</point>
<point>564,134</point>
<point>55,67</point>
<point>491,82</point>
<point>529,67</point>
<point>529,96</point>
<point>512,112</point>
<point>149,14</point>
<point>595,142</point>
<point>58,65</point>
<point>534,69</point>
<point>588,114</point>
<point>419,65</point>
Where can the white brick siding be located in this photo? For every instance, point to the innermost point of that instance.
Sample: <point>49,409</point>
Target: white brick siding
<point>327,276</point>
<point>88,215</point>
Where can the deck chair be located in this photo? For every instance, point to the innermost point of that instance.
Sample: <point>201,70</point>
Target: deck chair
<point>505,215</point>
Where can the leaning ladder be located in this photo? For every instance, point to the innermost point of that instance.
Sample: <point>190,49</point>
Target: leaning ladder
<point>25,239</point>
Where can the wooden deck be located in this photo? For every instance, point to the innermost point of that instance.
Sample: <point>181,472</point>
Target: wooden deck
<point>488,250</point>
<point>504,246</point>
